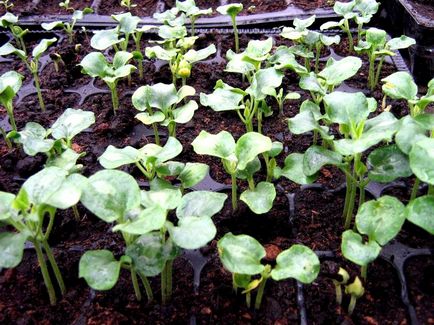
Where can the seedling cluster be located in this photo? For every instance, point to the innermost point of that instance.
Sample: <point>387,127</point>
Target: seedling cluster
<point>359,133</point>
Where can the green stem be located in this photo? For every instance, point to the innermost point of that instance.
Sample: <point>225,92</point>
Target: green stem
<point>76,213</point>
<point>347,194</point>
<point>147,286</point>
<point>38,90</point>
<point>377,74</point>
<point>54,266</point>
<point>260,293</point>
<point>237,41</point>
<point>317,57</point>
<point>169,267</point>
<point>251,183</point>
<point>350,36</point>
<point>364,271</point>
<point>8,142</point>
<point>415,189</point>
<point>338,293</point>
<point>234,191</point>
<point>371,74</point>
<point>10,111</point>
<point>45,274</point>
<point>115,98</point>
<point>135,284</point>
<point>351,201</point>
<point>163,286</point>
<point>49,227</point>
<point>248,299</point>
<point>362,194</point>
<point>430,190</point>
<point>352,305</point>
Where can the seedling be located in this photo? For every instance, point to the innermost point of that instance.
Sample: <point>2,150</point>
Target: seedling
<point>380,220</point>
<point>32,63</point>
<point>192,11</point>
<point>240,159</point>
<point>334,73</point>
<point>96,65</point>
<point>128,4</point>
<point>356,291</point>
<point>308,40</point>
<point>241,255</point>
<point>344,277</point>
<point>249,103</point>
<point>376,46</point>
<point>38,199</point>
<point>10,84</point>
<point>156,163</point>
<point>151,241</point>
<point>232,10</point>
<point>68,27</point>
<point>180,60</point>
<point>165,99</point>
<point>6,4</point>
<point>400,85</point>
<point>350,111</point>
<point>9,20</point>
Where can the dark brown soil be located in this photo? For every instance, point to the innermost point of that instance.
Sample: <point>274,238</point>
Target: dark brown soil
<point>143,8</point>
<point>313,218</point>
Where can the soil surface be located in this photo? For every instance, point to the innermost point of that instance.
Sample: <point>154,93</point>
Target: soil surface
<point>306,215</point>
<point>424,8</point>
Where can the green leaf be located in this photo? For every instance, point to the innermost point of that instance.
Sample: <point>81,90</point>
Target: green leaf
<point>147,119</point>
<point>356,251</point>
<point>298,262</point>
<point>6,200</point>
<point>103,39</point>
<point>421,160</point>
<point>100,269</point>
<point>185,113</point>
<point>193,232</point>
<point>167,199</point>
<point>150,253</point>
<point>341,70</point>
<point>8,48</point>
<point>251,168</point>
<point>42,47</point>
<point>258,50</point>
<point>95,65</point>
<point>312,83</point>
<point>316,157</point>
<point>127,22</point>
<point>33,139</point>
<point>10,84</point>
<point>193,56</point>
<point>8,19</point>
<point>11,249</point>
<point>200,204</point>
<point>160,53</point>
<point>42,185</point>
<point>284,58</point>
<point>192,174</point>
<point>260,200</point>
<point>241,254</point>
<point>419,211</point>
<point>114,157</point>
<point>150,219</point>
<point>376,38</point>
<point>346,108</point>
<point>263,80</point>
<point>69,192</point>
<point>52,25</point>
<point>401,42</point>
<point>249,146</point>
<point>224,98</point>
<point>161,96</point>
<point>237,64</point>
<point>409,133</point>
<point>381,219</point>
<point>293,169</point>
<point>221,145</point>
<point>171,149</point>
<point>71,123</point>
<point>400,85</point>
<point>387,164</point>
<point>110,194</point>
<point>231,9</point>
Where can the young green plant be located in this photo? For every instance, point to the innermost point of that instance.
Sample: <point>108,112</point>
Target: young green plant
<point>27,212</point>
<point>241,255</point>
<point>232,10</point>
<point>96,65</point>
<point>32,62</point>
<point>68,27</point>
<point>10,84</point>
<point>159,105</point>
<point>9,20</point>
<point>192,12</point>
<point>377,46</point>
<point>239,159</point>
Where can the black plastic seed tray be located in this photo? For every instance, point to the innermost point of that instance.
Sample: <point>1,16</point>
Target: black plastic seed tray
<point>410,19</point>
<point>395,253</point>
<point>254,19</point>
